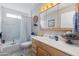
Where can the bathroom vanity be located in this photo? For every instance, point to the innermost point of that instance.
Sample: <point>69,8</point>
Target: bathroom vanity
<point>43,46</point>
<point>41,49</point>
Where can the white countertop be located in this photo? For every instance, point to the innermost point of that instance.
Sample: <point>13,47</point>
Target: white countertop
<point>61,45</point>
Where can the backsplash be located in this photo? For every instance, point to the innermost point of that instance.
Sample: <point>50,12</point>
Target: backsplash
<point>52,32</point>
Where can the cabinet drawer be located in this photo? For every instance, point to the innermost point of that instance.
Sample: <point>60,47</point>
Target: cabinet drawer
<point>34,50</point>
<point>33,40</point>
<point>34,45</point>
<point>42,52</point>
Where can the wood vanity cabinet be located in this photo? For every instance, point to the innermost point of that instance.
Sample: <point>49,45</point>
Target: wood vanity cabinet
<point>41,49</point>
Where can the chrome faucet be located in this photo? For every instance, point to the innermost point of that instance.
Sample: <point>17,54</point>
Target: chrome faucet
<point>56,38</point>
<point>13,42</point>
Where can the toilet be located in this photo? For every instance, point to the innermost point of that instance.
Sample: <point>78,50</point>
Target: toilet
<point>26,44</point>
<point>26,48</point>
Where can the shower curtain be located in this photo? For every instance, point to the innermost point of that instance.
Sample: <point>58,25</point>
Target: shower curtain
<point>14,28</point>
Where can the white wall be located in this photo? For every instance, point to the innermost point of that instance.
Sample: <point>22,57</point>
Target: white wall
<point>18,7</point>
<point>35,12</point>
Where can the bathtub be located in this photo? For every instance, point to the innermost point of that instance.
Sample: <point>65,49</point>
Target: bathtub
<point>8,48</point>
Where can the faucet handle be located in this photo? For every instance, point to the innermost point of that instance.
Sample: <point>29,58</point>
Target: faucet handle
<point>56,38</point>
<point>13,40</point>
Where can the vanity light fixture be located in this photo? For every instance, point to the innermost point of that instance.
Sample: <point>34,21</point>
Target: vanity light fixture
<point>46,6</point>
<point>49,5</point>
<point>41,9</point>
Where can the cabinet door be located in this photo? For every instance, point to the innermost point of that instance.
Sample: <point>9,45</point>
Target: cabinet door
<point>41,49</point>
<point>42,52</point>
<point>34,48</point>
<point>59,53</point>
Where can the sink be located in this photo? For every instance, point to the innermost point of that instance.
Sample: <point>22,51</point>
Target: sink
<point>73,41</point>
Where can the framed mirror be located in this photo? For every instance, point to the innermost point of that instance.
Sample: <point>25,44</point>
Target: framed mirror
<point>59,17</point>
<point>35,20</point>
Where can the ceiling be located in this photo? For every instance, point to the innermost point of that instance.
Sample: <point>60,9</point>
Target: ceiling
<point>23,7</point>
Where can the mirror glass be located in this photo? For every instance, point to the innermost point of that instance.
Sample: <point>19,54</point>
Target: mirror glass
<point>59,16</point>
